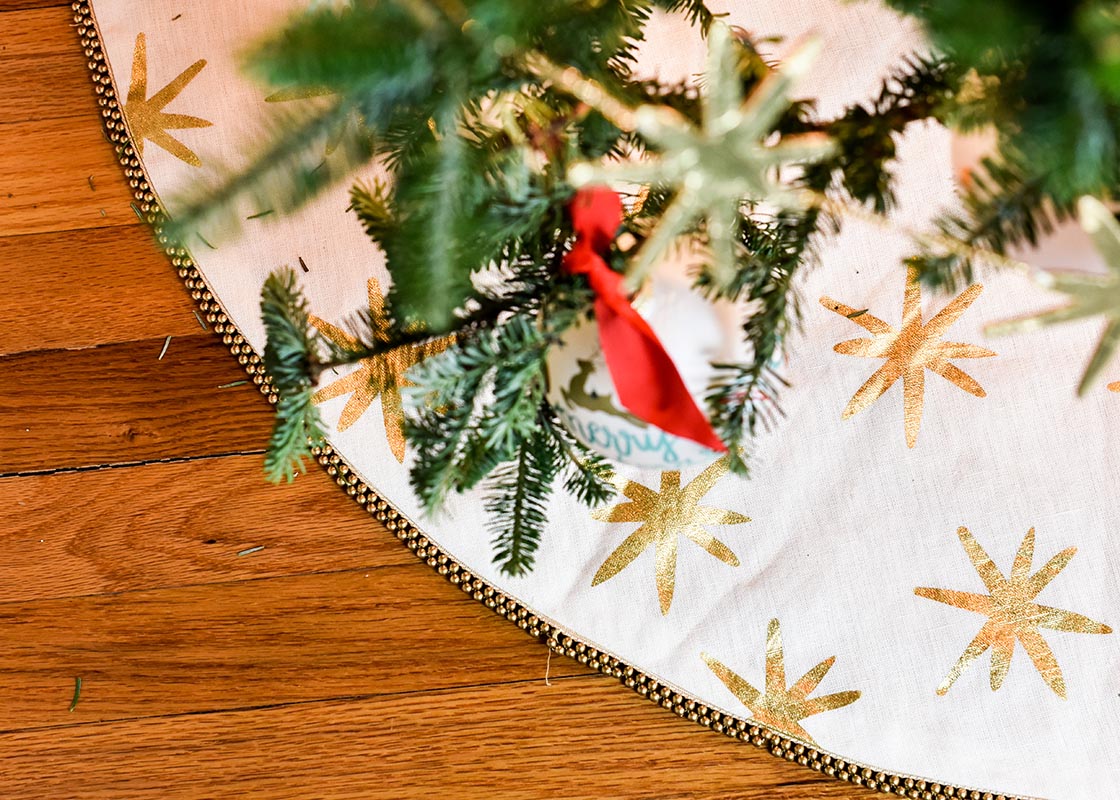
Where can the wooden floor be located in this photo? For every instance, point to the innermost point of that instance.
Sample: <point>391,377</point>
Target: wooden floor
<point>328,664</point>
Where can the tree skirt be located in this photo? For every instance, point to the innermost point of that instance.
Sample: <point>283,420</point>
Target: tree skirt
<point>892,598</point>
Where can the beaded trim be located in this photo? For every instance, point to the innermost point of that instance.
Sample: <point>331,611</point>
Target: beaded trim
<point>557,640</point>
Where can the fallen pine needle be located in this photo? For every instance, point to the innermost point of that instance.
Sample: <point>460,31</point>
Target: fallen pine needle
<point>163,352</point>
<point>251,550</point>
<point>77,694</point>
<point>201,321</point>
<point>90,181</point>
<point>136,211</point>
<point>859,313</point>
<point>231,384</point>
<point>547,667</point>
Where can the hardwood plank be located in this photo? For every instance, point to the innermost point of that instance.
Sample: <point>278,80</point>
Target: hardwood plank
<point>86,283</point>
<point>253,643</point>
<point>39,31</point>
<point>23,5</point>
<point>183,523</point>
<point>45,168</point>
<point>119,403</point>
<point>44,86</point>
<point>45,73</point>
<point>578,738</point>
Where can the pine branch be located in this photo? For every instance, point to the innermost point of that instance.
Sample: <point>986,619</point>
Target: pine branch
<point>866,135</point>
<point>517,499</point>
<point>287,174</point>
<point>697,12</point>
<point>354,47</point>
<point>370,204</point>
<point>744,396</point>
<point>290,359</point>
<point>1044,75</point>
<point>587,475</point>
<point>430,232</point>
<point>1004,206</point>
<point>460,420</point>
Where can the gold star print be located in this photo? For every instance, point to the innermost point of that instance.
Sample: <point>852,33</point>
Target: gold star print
<point>380,376</point>
<point>780,707</point>
<point>1012,613</point>
<point>664,516</point>
<point>145,115</point>
<point>1114,387</point>
<point>909,352</point>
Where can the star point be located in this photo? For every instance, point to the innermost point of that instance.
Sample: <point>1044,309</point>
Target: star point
<point>145,115</point>
<point>909,352</point>
<point>664,516</point>
<point>1089,294</point>
<point>781,707</point>
<point>1013,615</point>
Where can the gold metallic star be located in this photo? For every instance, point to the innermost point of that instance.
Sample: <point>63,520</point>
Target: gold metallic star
<point>145,115</point>
<point>729,159</point>
<point>664,516</point>
<point>1090,294</point>
<point>381,376</point>
<point>1012,613</point>
<point>909,352</point>
<point>780,707</point>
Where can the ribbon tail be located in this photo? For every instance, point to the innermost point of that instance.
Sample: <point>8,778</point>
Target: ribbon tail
<point>646,379</point>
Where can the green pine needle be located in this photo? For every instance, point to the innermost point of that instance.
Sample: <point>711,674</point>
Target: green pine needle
<point>516,500</point>
<point>290,359</point>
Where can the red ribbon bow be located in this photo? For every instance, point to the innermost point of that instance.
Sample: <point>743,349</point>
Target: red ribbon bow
<point>644,376</point>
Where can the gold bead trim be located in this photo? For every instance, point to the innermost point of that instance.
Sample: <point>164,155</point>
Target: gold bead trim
<point>558,641</point>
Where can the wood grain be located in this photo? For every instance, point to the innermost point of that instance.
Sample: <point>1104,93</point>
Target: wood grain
<point>79,288</point>
<point>23,5</point>
<point>578,738</point>
<point>36,51</point>
<point>41,29</point>
<point>250,643</point>
<point>282,673</point>
<point>185,523</point>
<point>45,169</point>
<point>120,404</point>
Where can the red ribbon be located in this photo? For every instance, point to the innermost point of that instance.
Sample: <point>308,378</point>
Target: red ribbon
<point>644,376</point>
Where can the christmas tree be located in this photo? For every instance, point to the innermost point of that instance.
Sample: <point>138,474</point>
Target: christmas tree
<point>500,126</point>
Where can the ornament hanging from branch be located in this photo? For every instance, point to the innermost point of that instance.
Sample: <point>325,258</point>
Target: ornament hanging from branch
<point>713,167</point>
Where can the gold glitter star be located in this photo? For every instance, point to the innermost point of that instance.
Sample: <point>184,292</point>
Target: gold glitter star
<point>380,376</point>
<point>1090,294</point>
<point>145,115</point>
<point>909,352</point>
<point>780,707</point>
<point>665,515</point>
<point>1012,613</point>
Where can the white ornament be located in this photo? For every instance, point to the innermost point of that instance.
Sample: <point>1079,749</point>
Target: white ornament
<point>694,332</point>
